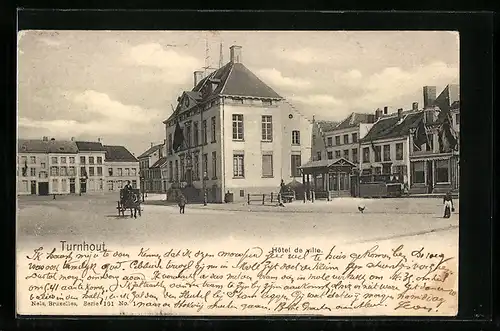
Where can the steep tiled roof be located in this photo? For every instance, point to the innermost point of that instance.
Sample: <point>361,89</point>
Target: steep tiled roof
<point>326,126</point>
<point>233,79</point>
<point>150,151</point>
<point>51,146</point>
<point>391,126</point>
<point>354,119</point>
<point>89,146</point>
<point>118,154</point>
<point>159,163</point>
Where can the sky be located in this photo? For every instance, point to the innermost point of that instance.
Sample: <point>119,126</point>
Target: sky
<point>121,85</point>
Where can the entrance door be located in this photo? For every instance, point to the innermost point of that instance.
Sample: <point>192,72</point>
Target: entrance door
<point>43,188</point>
<point>430,177</point>
<point>71,185</point>
<point>33,187</point>
<point>354,185</point>
<point>83,186</point>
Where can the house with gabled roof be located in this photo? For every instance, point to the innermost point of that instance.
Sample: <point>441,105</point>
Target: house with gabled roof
<point>151,178</point>
<point>237,135</point>
<point>121,166</point>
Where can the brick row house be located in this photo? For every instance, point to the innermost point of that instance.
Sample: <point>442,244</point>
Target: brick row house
<point>380,147</point>
<point>152,168</point>
<point>232,133</point>
<point>63,167</point>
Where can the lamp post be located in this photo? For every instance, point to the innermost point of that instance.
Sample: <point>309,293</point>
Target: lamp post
<point>143,182</point>
<point>204,188</point>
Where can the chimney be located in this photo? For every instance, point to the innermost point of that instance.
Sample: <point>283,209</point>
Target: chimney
<point>198,76</point>
<point>99,140</point>
<point>152,144</point>
<point>378,113</point>
<point>429,95</point>
<point>235,53</point>
<point>400,113</point>
<point>386,110</point>
<point>414,106</point>
<point>45,138</point>
<point>72,138</point>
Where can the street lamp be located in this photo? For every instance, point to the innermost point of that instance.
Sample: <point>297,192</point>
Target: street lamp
<point>204,188</point>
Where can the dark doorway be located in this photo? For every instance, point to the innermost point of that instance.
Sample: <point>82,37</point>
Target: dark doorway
<point>354,186</point>
<point>43,188</point>
<point>83,187</point>
<point>430,179</point>
<point>71,185</point>
<point>33,187</point>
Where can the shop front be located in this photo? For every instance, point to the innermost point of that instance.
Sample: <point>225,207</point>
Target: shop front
<point>438,173</point>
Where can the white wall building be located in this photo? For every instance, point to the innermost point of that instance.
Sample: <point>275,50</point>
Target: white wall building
<point>239,135</point>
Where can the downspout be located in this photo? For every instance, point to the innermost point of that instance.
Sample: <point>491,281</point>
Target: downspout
<point>222,151</point>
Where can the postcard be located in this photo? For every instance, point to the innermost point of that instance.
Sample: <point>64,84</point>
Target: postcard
<point>244,173</point>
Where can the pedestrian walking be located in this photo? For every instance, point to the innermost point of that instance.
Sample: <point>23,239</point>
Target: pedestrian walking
<point>448,205</point>
<point>182,203</point>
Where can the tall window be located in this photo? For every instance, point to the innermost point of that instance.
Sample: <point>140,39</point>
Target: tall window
<point>54,159</point>
<point>176,173</point>
<point>330,155</point>
<point>54,171</point>
<point>170,171</point>
<point>196,134</point>
<point>346,154</point>
<point>205,165</point>
<point>417,172</point>
<point>55,185</point>
<point>430,146</point>
<point>99,171</point>
<point>213,125</point>
<point>355,157</point>
<point>329,141</point>
<point>214,165</point>
<point>42,165</point>
<point>354,137</point>
<point>72,171</point>
<point>82,159</point>
<point>134,183</point>
<point>72,160</point>
<point>238,127</point>
<point>182,171</point>
<point>127,172</point>
<point>366,155</point>
<point>91,171</point>
<point>196,166</point>
<point>267,165</point>
<point>267,128</point>
<point>442,171</point>
<point>170,143</point>
<point>32,159</point>
<point>110,185</point>
<point>337,140</point>
<point>457,119</point>
<point>134,172</point>
<point>110,171</point>
<point>295,162</point>
<point>337,154</point>
<point>295,137</point>
<point>32,172</point>
<point>378,153</point>
<point>99,160</point>
<point>63,171</point>
<point>119,172</point>
<point>91,160</point>
<point>63,159</point>
<point>387,152</point>
<point>346,139</point>
<point>399,151</point>
<point>238,165</point>
<point>188,134</point>
<point>204,131</point>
